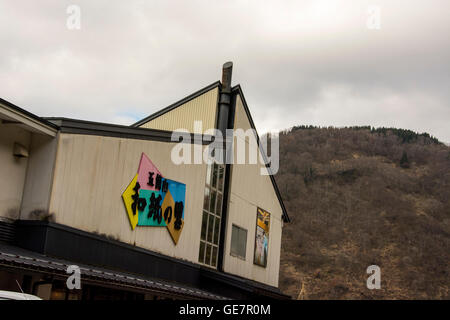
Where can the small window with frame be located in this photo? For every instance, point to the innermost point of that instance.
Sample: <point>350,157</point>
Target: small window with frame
<point>238,242</point>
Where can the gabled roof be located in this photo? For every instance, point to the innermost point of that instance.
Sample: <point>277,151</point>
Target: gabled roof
<point>235,90</point>
<point>177,104</point>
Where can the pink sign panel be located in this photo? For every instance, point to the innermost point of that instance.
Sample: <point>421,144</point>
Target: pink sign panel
<point>147,174</point>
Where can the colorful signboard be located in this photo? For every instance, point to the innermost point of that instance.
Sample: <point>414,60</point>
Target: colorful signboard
<point>151,200</point>
<point>261,237</point>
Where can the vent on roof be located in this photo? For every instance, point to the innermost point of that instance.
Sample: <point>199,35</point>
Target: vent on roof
<point>7,232</point>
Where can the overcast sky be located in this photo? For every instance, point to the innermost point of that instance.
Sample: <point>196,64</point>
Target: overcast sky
<point>298,62</point>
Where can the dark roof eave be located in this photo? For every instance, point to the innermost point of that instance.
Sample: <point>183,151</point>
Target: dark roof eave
<point>75,126</point>
<point>41,120</point>
<point>15,257</point>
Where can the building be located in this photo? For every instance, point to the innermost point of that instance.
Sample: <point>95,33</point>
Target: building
<point>108,199</point>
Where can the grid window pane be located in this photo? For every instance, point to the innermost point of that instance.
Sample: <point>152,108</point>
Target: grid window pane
<point>206,199</point>
<point>201,253</point>
<point>216,231</point>
<point>219,204</point>
<point>208,254</point>
<point>212,210</point>
<point>204,225</point>
<point>210,228</point>
<point>214,257</point>
<point>212,206</point>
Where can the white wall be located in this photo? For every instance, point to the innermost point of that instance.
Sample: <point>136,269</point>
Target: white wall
<point>249,190</point>
<point>39,177</point>
<point>12,169</point>
<point>91,174</point>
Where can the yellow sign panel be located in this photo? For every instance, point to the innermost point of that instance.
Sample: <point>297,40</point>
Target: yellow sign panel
<point>143,196</point>
<point>130,199</point>
<point>263,219</point>
<point>173,221</point>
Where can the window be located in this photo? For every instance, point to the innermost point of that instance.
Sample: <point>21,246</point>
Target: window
<point>211,216</point>
<point>238,242</point>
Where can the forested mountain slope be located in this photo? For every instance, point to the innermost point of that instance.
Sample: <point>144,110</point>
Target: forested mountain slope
<point>359,197</point>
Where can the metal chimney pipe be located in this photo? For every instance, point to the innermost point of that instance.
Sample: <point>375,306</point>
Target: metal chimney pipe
<point>225,97</point>
<point>227,71</point>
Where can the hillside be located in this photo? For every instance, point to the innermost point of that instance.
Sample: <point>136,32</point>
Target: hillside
<point>357,197</point>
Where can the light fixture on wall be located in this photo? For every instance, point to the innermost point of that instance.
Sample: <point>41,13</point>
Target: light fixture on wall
<point>20,151</point>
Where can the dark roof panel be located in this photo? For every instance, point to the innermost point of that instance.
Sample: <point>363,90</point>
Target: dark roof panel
<point>76,126</point>
<point>17,257</point>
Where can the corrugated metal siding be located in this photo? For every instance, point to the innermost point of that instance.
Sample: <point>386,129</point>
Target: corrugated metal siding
<point>91,173</point>
<point>203,108</point>
<point>249,190</point>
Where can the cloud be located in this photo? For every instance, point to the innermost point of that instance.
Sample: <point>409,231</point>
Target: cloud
<point>299,62</point>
